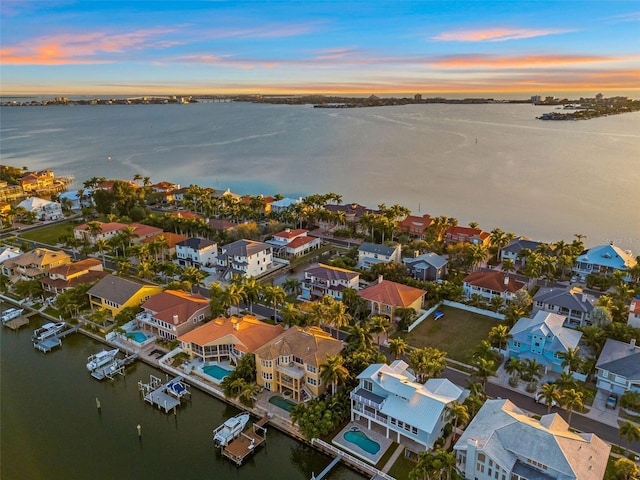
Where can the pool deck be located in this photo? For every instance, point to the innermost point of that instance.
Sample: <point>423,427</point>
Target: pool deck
<point>352,448</point>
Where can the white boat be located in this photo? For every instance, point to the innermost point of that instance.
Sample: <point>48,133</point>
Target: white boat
<point>47,330</point>
<point>230,429</point>
<point>100,359</point>
<point>11,313</point>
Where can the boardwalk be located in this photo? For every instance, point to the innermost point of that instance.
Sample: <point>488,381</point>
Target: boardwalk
<point>247,442</point>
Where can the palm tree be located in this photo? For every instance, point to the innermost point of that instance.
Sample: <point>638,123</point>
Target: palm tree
<point>570,359</point>
<point>101,245</point>
<point>274,296</point>
<point>514,368</point>
<point>566,381</point>
<point>246,395</point>
<point>630,432</point>
<point>484,369</point>
<point>333,372</point>
<point>359,337</point>
<point>251,289</point>
<point>459,413</point>
<point>379,326</point>
<point>290,314</point>
<point>571,399</point>
<point>531,372</point>
<point>550,394</point>
<point>499,336</point>
<point>194,276</point>
<point>337,315</point>
<point>232,295</point>
<point>291,285</point>
<point>398,347</point>
<point>508,266</point>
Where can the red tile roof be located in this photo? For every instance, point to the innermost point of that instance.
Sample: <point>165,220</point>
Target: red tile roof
<point>105,227</point>
<point>391,293</point>
<point>175,307</point>
<point>494,281</point>
<point>75,267</point>
<point>300,241</point>
<point>172,238</point>
<point>468,232</point>
<point>182,214</point>
<point>415,224</point>
<point>291,233</point>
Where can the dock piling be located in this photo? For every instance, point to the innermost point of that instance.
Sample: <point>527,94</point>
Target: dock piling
<point>139,430</point>
<point>98,403</point>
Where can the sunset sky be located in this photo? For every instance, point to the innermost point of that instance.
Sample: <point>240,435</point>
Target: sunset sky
<point>429,47</point>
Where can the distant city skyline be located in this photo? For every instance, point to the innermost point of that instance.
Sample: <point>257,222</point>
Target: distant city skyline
<point>434,48</point>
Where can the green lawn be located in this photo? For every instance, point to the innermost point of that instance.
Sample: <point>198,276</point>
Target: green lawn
<point>401,468</point>
<point>458,333</point>
<point>51,234</point>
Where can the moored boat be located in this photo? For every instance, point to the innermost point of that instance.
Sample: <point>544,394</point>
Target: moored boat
<point>100,359</point>
<point>230,429</point>
<point>11,313</point>
<point>47,330</point>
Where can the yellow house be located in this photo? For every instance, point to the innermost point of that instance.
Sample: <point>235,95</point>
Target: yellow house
<point>115,293</point>
<point>290,363</point>
<point>34,264</point>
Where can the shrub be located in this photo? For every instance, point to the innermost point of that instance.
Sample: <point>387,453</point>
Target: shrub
<point>631,401</point>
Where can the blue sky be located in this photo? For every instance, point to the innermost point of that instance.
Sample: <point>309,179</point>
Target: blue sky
<point>429,47</point>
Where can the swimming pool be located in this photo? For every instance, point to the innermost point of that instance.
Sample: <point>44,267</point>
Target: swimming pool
<point>283,403</point>
<point>216,371</point>
<point>359,439</point>
<point>137,337</point>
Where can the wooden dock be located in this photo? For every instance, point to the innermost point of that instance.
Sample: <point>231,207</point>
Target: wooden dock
<point>247,443</point>
<point>163,395</point>
<point>16,323</point>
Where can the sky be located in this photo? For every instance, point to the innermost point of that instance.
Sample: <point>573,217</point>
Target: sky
<point>450,48</point>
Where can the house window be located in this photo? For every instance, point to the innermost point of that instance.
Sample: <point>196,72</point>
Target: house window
<point>516,344</point>
<point>481,457</point>
<point>367,385</point>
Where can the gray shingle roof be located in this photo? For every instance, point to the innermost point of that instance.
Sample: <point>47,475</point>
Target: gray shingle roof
<point>514,246</point>
<point>245,248</point>
<point>376,249</point>
<point>567,298</point>
<point>115,289</point>
<point>430,258</point>
<point>546,323</point>
<point>196,243</point>
<point>620,358</point>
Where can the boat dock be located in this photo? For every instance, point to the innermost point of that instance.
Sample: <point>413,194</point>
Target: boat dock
<point>16,323</point>
<point>116,367</point>
<point>328,468</point>
<point>54,341</point>
<point>247,442</point>
<point>166,396</point>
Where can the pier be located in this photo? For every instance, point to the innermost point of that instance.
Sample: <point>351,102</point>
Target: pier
<point>54,341</point>
<point>247,442</point>
<point>115,368</point>
<point>165,396</point>
<point>327,469</point>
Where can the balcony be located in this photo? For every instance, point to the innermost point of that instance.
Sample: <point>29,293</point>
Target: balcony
<point>368,398</point>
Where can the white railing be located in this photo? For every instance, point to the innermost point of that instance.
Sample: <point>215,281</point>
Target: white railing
<point>366,401</point>
<point>351,459</point>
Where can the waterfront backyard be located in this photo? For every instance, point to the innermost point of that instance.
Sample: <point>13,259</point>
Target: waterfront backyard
<point>457,332</point>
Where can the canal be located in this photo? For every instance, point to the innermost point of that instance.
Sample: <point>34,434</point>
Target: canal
<point>52,429</point>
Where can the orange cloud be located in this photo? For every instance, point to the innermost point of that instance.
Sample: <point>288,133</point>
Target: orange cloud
<point>494,34</point>
<point>522,61</point>
<point>86,48</point>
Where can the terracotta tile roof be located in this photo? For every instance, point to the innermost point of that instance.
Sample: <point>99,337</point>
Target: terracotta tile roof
<point>635,306</point>
<point>183,214</point>
<point>300,241</point>
<point>391,293</point>
<point>247,333</point>
<point>142,230</point>
<point>312,345</point>
<point>60,283</point>
<point>176,307</point>
<point>495,281</point>
<point>291,233</point>
<point>105,227</point>
<point>351,209</point>
<point>468,232</point>
<point>75,267</point>
<point>172,238</point>
<point>413,223</point>
<point>221,224</point>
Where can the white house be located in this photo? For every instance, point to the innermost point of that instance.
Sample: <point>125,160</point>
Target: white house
<point>491,284</point>
<point>321,280</point>
<point>370,254</point>
<point>196,252</point>
<point>618,367</point>
<point>512,249</point>
<point>410,413</point>
<point>503,443</point>
<point>293,242</point>
<point>44,209</point>
<point>246,258</point>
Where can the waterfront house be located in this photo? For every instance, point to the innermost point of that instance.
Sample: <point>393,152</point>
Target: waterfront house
<point>618,367</point>
<point>34,181</point>
<point>604,260</point>
<point>634,313</point>
<point>503,443</point>
<point>384,297</point>
<point>116,293</point>
<point>512,249</point>
<point>428,266</point>
<point>290,363</point>
<point>321,280</point>
<point>196,252</point>
<point>280,206</point>
<point>73,199</point>
<point>492,283</point>
<point>172,313</point>
<point>475,236</point>
<point>370,254</point>
<point>572,302</point>
<point>33,264</point>
<point>43,209</point>
<point>107,232</point>
<point>70,275</point>
<point>352,213</point>
<point>415,226</point>
<point>165,191</point>
<point>390,401</point>
<point>8,252</point>
<point>293,242</point>
<point>228,339</point>
<point>542,338</point>
<point>246,258</point>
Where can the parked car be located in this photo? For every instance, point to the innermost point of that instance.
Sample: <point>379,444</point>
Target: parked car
<point>612,401</point>
<point>540,399</point>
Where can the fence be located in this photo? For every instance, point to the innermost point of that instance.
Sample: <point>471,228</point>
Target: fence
<point>316,442</point>
<point>479,311</point>
<point>422,317</point>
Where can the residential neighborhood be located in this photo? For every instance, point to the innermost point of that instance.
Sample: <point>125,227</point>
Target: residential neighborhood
<point>390,327</point>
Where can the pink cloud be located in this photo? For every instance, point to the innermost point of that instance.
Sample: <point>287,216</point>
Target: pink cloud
<point>521,61</point>
<point>82,48</point>
<point>494,34</point>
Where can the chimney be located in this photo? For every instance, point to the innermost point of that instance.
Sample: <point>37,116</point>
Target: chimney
<point>632,344</point>
<point>506,279</point>
<point>380,278</point>
<point>416,253</point>
<point>236,323</point>
<point>175,319</point>
<point>287,230</point>
<point>584,298</point>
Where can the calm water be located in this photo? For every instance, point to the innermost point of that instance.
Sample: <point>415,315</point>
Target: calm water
<point>495,164</point>
<point>51,428</point>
